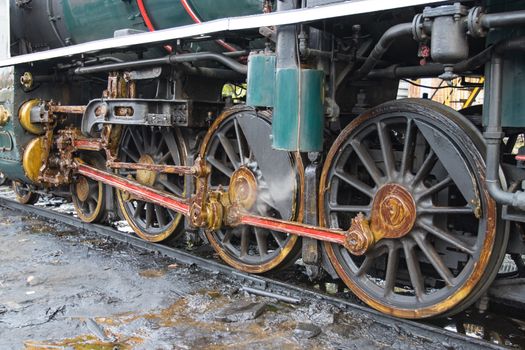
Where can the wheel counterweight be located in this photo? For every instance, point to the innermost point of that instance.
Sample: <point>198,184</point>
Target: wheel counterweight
<point>415,168</point>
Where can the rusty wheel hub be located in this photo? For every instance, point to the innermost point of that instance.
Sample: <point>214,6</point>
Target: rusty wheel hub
<point>82,188</point>
<point>243,188</point>
<point>393,212</point>
<point>146,177</point>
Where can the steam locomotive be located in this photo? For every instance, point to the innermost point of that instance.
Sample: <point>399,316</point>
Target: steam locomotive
<point>270,129</point>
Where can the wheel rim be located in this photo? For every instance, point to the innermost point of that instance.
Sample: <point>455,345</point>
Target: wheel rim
<point>445,256</point>
<point>88,199</point>
<point>237,133</point>
<point>142,144</point>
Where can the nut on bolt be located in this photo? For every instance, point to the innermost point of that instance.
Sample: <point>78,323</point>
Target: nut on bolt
<point>27,80</point>
<point>359,238</point>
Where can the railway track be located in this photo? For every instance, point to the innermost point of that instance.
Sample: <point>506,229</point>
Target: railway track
<point>260,285</point>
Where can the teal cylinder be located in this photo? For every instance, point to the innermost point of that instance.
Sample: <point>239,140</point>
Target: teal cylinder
<point>80,21</point>
<point>261,80</point>
<point>298,118</point>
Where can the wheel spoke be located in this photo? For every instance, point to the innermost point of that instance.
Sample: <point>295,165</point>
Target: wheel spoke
<point>164,158</point>
<point>365,266</point>
<point>391,270</point>
<point>261,237</point>
<point>227,236</point>
<point>219,166</point>
<point>447,237</point>
<point>434,258</point>
<point>437,187</point>
<point>173,148</point>
<point>92,205</point>
<point>386,149</point>
<point>228,148</point>
<point>161,218</point>
<point>239,140</point>
<point>446,210</point>
<point>425,168</point>
<point>145,137</point>
<point>245,240</point>
<point>149,215</point>
<point>369,260</point>
<point>139,209</point>
<point>280,238</point>
<point>155,149</point>
<point>137,140</point>
<point>367,161</point>
<point>414,270</point>
<point>130,155</point>
<point>408,148</point>
<point>355,183</point>
<point>170,186</point>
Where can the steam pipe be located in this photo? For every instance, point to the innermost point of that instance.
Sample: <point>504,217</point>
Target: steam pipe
<point>382,47</point>
<point>434,69</point>
<point>493,136</point>
<point>502,19</point>
<point>167,60</point>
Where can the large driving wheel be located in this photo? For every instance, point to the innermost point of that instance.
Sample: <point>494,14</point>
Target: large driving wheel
<point>238,147</point>
<point>151,221</point>
<point>416,167</point>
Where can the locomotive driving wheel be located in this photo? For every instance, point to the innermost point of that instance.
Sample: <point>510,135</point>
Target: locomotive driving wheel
<point>415,168</point>
<point>24,194</point>
<point>265,182</point>
<point>140,144</point>
<point>89,195</point>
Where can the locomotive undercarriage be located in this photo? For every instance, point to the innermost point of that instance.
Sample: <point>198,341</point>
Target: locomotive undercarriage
<point>403,203</point>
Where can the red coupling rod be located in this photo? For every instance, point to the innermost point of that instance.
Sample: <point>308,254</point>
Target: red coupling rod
<point>136,189</point>
<point>181,206</point>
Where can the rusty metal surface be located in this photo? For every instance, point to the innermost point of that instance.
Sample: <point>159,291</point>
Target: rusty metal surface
<point>243,188</point>
<point>393,212</point>
<point>359,237</point>
<point>137,190</point>
<point>58,109</point>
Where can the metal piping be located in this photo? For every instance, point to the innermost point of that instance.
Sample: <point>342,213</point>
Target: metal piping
<point>493,136</point>
<point>382,47</point>
<point>434,69</point>
<point>502,19</point>
<point>166,60</point>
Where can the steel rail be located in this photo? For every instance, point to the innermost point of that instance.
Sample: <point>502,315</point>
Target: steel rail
<point>260,284</point>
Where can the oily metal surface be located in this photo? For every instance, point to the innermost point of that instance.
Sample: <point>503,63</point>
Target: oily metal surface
<point>153,307</point>
<point>393,212</point>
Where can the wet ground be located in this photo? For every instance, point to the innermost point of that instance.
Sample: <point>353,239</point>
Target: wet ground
<point>64,289</point>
